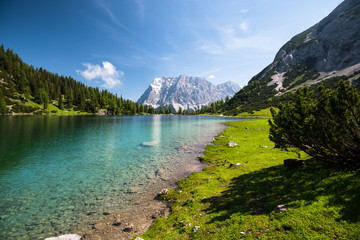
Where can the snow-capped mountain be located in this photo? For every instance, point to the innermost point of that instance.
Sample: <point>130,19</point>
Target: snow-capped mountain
<point>189,93</point>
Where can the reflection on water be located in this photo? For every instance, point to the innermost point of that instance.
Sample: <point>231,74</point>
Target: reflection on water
<point>54,170</point>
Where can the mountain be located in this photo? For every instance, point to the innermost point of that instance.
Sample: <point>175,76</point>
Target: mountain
<point>324,53</point>
<point>189,93</point>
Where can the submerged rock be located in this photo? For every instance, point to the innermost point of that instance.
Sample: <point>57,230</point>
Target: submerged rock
<point>133,190</point>
<point>149,144</point>
<point>159,172</point>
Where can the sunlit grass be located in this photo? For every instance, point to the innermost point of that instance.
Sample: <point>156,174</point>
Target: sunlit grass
<point>230,201</point>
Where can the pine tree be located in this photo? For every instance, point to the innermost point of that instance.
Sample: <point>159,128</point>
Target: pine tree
<point>3,108</point>
<point>44,98</point>
<point>60,102</point>
<point>69,99</point>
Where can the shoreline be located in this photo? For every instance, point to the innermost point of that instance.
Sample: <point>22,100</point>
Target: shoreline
<point>137,218</point>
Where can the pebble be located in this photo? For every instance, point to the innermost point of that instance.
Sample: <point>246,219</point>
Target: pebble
<point>196,228</point>
<point>280,208</point>
<point>107,213</point>
<point>117,223</point>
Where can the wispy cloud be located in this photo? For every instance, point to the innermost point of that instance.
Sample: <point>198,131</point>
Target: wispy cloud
<point>111,15</point>
<point>210,47</point>
<point>261,41</point>
<point>244,25</point>
<point>141,9</point>
<point>107,73</point>
<point>211,71</point>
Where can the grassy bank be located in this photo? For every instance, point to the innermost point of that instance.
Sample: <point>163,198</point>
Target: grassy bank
<point>235,196</point>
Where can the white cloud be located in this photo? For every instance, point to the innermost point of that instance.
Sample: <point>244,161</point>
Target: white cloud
<point>244,11</point>
<point>211,76</point>
<point>106,73</point>
<point>244,25</point>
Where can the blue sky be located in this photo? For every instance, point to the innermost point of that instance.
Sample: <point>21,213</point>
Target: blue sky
<point>122,45</point>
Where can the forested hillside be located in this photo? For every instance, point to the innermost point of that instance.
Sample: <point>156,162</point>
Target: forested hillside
<point>28,89</point>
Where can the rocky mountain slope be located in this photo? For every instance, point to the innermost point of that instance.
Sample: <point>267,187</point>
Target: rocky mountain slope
<point>189,93</point>
<point>328,49</point>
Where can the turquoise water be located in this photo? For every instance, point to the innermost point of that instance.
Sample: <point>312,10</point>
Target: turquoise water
<point>58,173</point>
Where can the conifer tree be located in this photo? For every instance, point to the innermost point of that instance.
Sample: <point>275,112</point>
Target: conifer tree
<point>3,108</point>
<point>60,102</point>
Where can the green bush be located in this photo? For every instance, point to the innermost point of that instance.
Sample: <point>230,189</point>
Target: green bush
<point>326,128</point>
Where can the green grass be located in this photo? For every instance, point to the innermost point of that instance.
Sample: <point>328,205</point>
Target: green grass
<point>263,113</point>
<point>52,107</point>
<point>235,202</point>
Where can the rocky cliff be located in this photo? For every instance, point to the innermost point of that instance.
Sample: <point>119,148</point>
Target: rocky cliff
<point>189,93</point>
<point>329,49</point>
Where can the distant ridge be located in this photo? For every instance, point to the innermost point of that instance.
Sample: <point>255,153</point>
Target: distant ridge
<point>187,93</point>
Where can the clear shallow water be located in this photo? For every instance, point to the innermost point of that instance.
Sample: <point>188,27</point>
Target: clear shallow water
<point>58,174</point>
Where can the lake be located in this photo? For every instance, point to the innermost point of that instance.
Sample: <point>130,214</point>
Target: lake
<point>59,173</point>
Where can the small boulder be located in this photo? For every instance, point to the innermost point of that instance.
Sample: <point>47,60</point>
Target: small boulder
<point>65,237</point>
<point>138,238</point>
<point>162,193</point>
<point>232,144</point>
<point>129,228</point>
<point>280,208</point>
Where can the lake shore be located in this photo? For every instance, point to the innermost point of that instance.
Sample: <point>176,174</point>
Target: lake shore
<point>140,214</point>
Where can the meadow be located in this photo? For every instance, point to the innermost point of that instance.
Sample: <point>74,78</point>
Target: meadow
<point>236,195</point>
